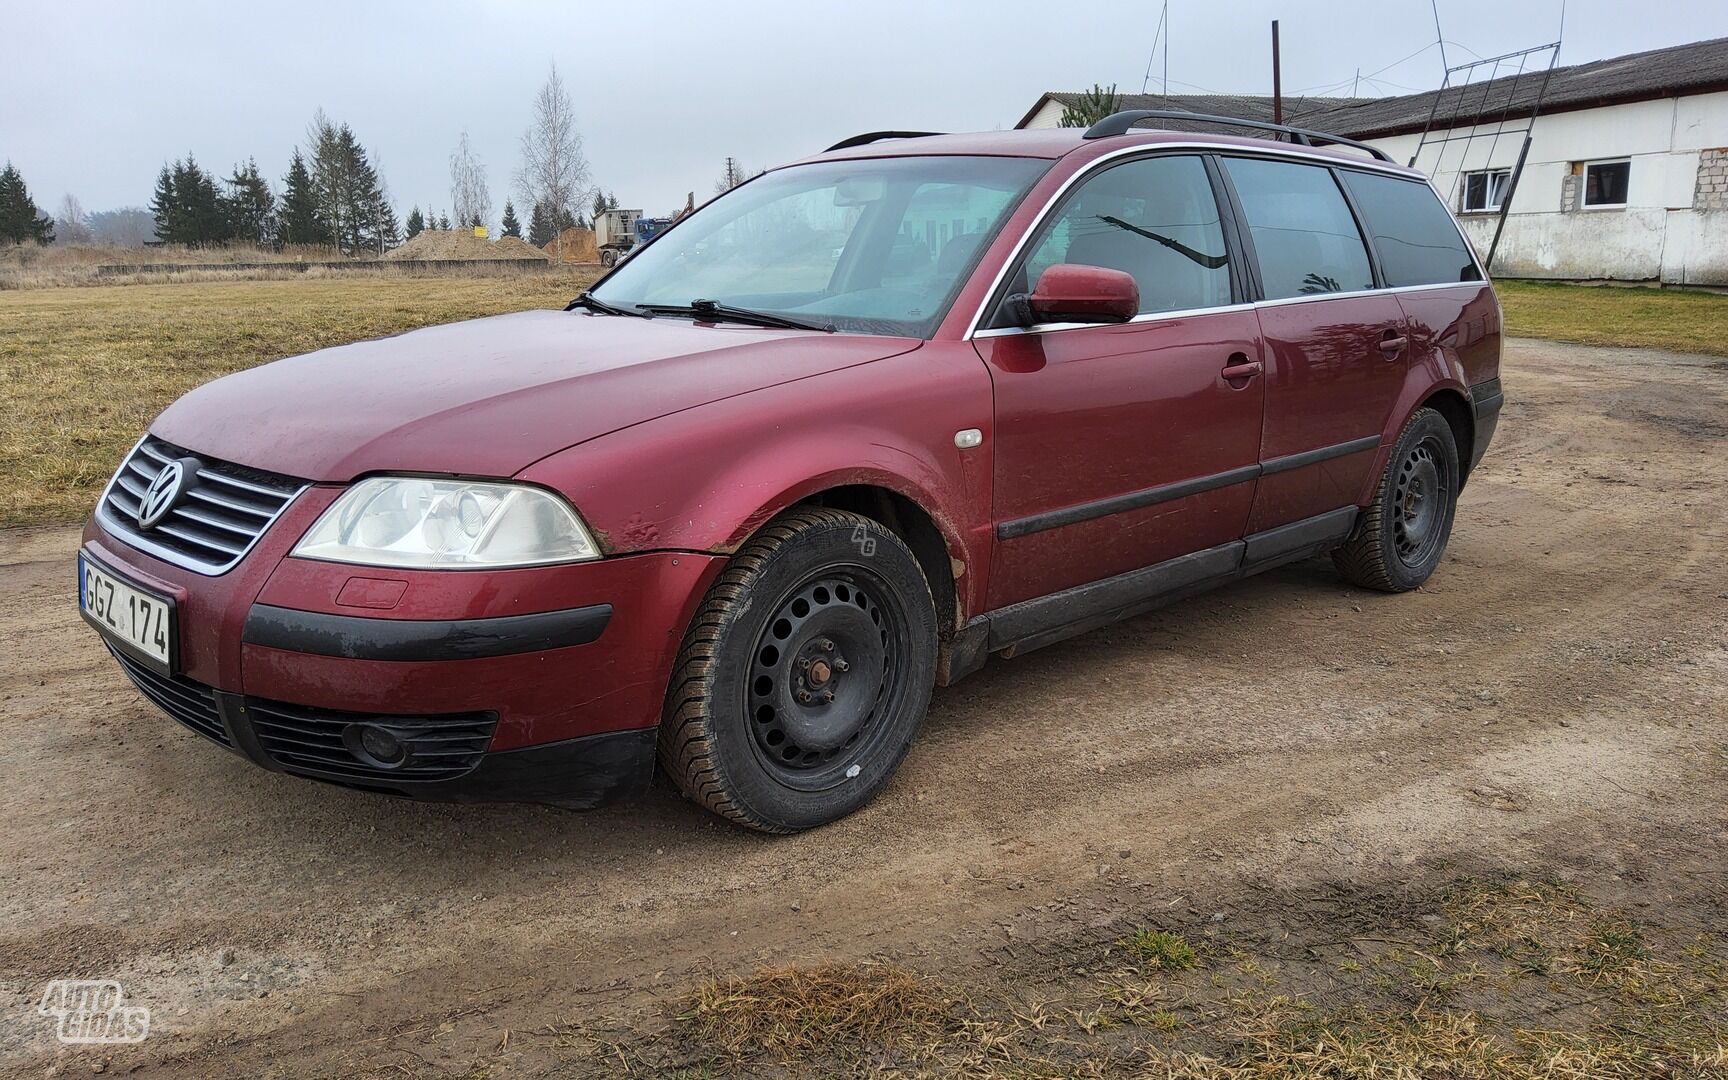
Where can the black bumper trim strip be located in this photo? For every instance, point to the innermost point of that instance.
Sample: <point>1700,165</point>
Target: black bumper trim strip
<point>357,638</point>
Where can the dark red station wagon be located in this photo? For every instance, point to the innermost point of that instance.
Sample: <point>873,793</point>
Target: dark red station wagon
<point>829,441</point>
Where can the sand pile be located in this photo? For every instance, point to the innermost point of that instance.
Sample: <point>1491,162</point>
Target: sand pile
<point>579,246</point>
<point>515,247</point>
<point>435,245</point>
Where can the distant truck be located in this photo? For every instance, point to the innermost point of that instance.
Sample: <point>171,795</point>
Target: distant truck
<point>619,232</point>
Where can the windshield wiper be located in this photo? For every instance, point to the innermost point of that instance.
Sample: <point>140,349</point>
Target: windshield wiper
<point>714,309</point>
<point>600,306</point>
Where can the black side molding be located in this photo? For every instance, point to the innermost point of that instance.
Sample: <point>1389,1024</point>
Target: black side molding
<point>1135,500</point>
<point>1045,620</point>
<point>357,638</point>
<point>1315,457</point>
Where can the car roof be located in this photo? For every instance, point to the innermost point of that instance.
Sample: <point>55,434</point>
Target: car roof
<point>1053,143</point>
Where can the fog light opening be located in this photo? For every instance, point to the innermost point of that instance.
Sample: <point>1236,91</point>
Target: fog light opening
<point>375,745</point>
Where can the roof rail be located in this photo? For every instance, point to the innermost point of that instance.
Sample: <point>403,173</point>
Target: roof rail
<point>877,136</point>
<point>1119,123</point>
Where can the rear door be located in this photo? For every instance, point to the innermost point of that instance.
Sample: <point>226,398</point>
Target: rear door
<point>1121,446</point>
<point>1336,344</point>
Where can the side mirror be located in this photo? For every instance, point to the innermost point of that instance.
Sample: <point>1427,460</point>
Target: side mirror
<point>1071,292</point>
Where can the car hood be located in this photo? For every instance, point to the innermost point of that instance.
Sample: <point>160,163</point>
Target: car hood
<point>491,396</point>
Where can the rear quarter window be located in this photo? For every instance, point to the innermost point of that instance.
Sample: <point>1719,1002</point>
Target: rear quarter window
<point>1413,233</point>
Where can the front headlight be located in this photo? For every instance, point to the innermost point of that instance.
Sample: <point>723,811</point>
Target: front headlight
<point>447,524</point>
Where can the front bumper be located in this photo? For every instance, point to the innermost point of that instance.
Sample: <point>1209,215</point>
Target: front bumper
<point>540,684</point>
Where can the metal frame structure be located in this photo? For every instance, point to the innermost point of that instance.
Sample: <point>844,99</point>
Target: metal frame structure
<point>1483,75</point>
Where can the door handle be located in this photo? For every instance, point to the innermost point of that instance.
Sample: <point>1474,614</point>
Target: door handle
<point>1240,369</point>
<point>1392,343</point>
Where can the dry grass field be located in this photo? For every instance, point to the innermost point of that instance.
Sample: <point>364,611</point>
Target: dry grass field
<point>82,371</point>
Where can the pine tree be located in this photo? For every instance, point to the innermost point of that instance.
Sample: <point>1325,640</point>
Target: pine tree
<point>350,194</point>
<point>512,227</point>
<point>416,222</point>
<point>165,207</point>
<point>188,207</point>
<point>298,222</point>
<point>599,202</point>
<point>539,226</point>
<point>444,222</point>
<point>250,207</point>
<point>19,218</point>
<point>1093,106</point>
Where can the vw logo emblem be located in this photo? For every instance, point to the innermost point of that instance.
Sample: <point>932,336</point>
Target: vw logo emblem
<point>164,492</point>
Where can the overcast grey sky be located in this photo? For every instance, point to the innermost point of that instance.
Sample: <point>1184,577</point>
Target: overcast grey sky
<point>664,92</point>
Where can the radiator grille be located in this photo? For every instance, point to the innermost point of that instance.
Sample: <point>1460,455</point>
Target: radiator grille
<point>223,512</point>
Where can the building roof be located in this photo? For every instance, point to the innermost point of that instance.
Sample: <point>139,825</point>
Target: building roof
<point>1298,111</point>
<point>1696,68</point>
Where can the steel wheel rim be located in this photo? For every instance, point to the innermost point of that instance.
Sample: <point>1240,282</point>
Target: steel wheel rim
<point>824,677</point>
<point>1421,492</point>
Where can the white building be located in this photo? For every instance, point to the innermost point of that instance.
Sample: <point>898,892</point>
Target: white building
<point>1626,178</point>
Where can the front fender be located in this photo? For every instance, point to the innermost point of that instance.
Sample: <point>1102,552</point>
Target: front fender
<point>707,478</point>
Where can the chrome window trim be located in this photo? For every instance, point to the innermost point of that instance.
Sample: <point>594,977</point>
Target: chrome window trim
<point>131,537</point>
<point>1187,313</point>
<point>976,328</point>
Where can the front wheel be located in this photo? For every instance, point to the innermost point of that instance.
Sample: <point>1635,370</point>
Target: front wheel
<point>1403,533</point>
<point>804,675</point>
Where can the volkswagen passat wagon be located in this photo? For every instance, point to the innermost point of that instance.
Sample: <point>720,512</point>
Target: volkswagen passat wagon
<point>829,441</point>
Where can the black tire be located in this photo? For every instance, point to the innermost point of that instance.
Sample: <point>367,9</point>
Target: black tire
<point>608,258</point>
<point>1402,535</point>
<point>820,602</point>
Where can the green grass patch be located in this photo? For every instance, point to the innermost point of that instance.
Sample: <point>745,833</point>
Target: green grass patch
<point>1161,949</point>
<point>1684,320</point>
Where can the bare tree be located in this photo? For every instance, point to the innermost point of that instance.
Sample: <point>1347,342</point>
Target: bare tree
<point>730,178</point>
<point>71,225</point>
<point>469,198</point>
<point>554,172</point>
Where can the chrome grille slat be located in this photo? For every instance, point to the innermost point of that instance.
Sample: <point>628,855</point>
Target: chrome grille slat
<point>205,518</point>
<point>235,481</point>
<point>224,512</point>
<point>181,532</point>
<point>205,496</point>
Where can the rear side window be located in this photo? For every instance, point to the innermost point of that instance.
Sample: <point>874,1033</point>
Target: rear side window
<point>1305,237</point>
<point>1414,235</point>
<point>1154,219</point>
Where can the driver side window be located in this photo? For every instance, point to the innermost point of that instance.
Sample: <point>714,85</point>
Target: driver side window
<point>1154,219</point>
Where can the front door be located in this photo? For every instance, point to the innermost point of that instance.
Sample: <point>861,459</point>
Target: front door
<point>1121,446</point>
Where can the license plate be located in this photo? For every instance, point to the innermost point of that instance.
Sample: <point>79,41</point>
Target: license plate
<point>137,620</point>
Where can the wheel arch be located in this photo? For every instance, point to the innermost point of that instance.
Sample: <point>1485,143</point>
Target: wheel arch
<point>1455,408</point>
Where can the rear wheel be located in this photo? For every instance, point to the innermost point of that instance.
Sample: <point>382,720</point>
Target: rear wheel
<point>804,675</point>
<point>1403,533</point>
<point>608,257</point>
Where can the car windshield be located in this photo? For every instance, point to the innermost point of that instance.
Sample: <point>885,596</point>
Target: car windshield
<point>877,245</point>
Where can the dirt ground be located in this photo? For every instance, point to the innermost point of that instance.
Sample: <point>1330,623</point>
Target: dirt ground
<point>1272,759</point>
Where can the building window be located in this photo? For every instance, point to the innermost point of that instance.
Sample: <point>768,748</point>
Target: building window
<point>1485,190</point>
<point>1605,182</point>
